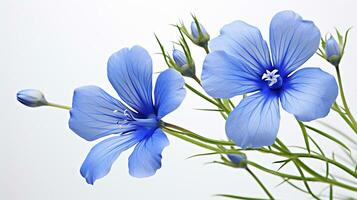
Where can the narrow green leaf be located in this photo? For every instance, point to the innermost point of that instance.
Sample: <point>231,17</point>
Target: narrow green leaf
<point>339,36</point>
<point>345,40</point>
<point>162,50</point>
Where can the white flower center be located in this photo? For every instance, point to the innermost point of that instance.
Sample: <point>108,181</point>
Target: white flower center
<point>271,77</point>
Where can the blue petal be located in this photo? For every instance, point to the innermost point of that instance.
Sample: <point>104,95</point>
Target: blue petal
<point>101,157</point>
<point>146,157</point>
<point>309,94</point>
<point>224,76</point>
<point>255,121</point>
<point>179,57</point>
<point>292,41</point>
<point>169,92</point>
<point>130,73</point>
<point>244,42</point>
<point>92,113</point>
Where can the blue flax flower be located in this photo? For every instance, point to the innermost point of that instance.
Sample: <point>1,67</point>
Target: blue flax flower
<point>133,121</point>
<point>241,63</point>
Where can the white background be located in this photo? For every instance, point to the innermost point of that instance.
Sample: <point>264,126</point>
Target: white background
<point>56,46</point>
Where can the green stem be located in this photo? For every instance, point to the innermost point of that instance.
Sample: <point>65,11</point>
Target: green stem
<point>343,98</point>
<point>222,106</point>
<point>193,141</point>
<point>318,157</point>
<point>337,109</point>
<point>196,136</point>
<point>260,183</point>
<point>59,106</point>
<point>197,80</point>
<point>304,133</point>
<point>293,177</point>
<point>218,150</point>
<point>202,95</point>
<point>280,174</point>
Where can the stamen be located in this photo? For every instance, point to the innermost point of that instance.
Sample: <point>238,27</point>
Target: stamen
<point>271,77</point>
<point>129,121</point>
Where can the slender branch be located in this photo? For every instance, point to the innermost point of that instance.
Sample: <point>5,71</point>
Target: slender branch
<point>59,106</point>
<point>196,136</point>
<point>202,95</point>
<point>343,98</point>
<point>260,183</point>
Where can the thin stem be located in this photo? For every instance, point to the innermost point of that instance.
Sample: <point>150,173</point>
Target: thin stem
<point>343,98</point>
<point>198,143</point>
<point>202,95</point>
<point>197,80</point>
<point>223,107</point>
<point>59,106</point>
<point>260,183</point>
<point>337,109</point>
<point>196,136</point>
<point>304,133</point>
<point>318,157</point>
<point>293,177</point>
<point>231,151</point>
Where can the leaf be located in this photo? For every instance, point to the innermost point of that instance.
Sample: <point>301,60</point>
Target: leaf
<point>284,164</point>
<point>162,50</point>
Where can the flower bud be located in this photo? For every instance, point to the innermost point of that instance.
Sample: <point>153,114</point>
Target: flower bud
<point>179,58</point>
<point>200,36</point>
<point>184,65</point>
<point>195,33</point>
<point>31,98</point>
<point>332,49</point>
<point>237,159</point>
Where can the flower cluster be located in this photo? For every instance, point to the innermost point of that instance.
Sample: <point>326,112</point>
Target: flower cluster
<point>238,63</point>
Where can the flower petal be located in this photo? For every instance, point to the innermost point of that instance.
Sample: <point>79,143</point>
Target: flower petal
<point>130,73</point>
<point>255,121</point>
<point>146,157</point>
<point>292,41</point>
<point>224,76</point>
<point>93,113</point>
<point>169,92</point>
<point>101,157</point>
<point>244,42</point>
<point>309,94</point>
